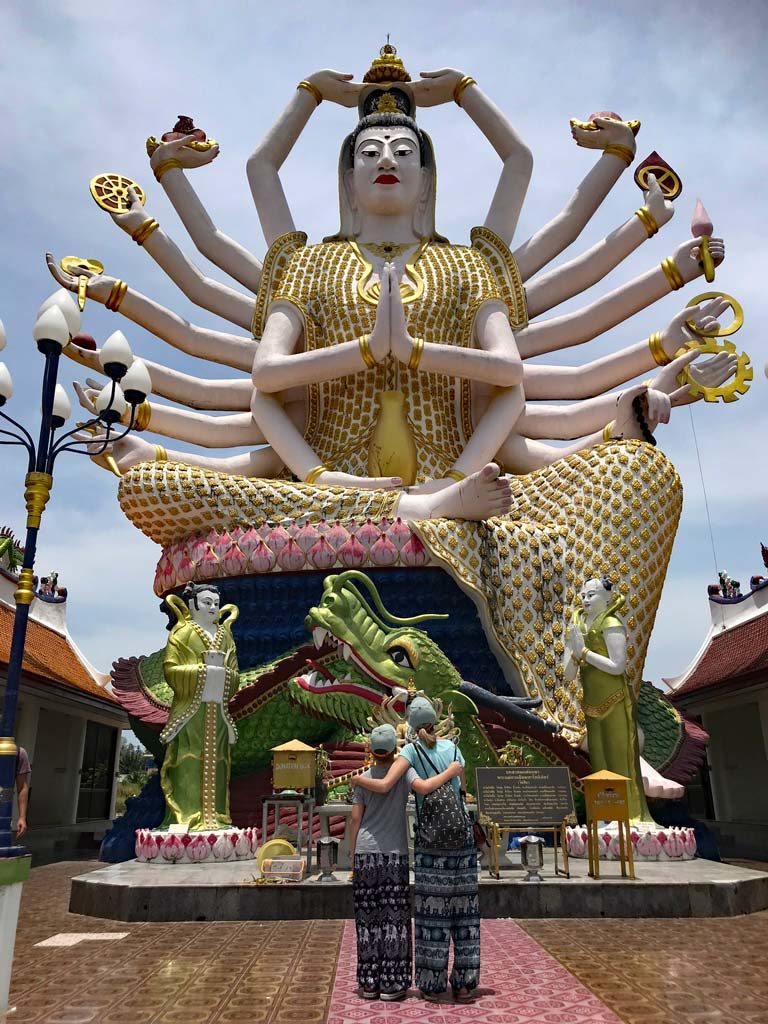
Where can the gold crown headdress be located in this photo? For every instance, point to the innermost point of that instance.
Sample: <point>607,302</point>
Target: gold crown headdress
<point>386,91</point>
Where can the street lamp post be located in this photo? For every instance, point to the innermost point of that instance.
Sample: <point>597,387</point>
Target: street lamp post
<point>58,320</point>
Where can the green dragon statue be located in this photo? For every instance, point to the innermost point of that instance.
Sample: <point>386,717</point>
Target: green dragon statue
<point>326,691</point>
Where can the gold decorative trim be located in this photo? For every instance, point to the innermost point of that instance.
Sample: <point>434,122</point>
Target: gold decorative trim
<point>622,152</point>
<point>275,262</point>
<point>365,351</point>
<point>167,165</point>
<point>37,490</point>
<point>502,264</point>
<point>312,89</point>
<point>8,746</point>
<point>416,353</point>
<point>144,230</point>
<point>116,296</point>
<point>455,474</point>
<point>25,591</point>
<point>658,354</point>
<point>672,274</point>
<point>463,84</point>
<point>313,474</point>
<point>143,416</point>
<point>648,221</point>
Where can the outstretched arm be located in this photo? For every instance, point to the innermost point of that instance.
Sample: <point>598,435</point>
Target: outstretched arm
<point>232,350</point>
<point>183,425</point>
<point>566,227</point>
<point>617,306</point>
<point>575,276</point>
<point>131,450</point>
<point>425,786</point>
<point>202,290</point>
<point>266,160</point>
<point>397,770</point>
<point>221,250</point>
<point>441,87</point>
<point>555,382</point>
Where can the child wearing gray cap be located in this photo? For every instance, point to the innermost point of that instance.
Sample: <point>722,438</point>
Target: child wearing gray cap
<point>379,847</point>
<point>446,905</point>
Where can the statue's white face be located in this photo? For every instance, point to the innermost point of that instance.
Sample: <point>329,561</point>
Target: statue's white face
<point>207,608</point>
<point>594,597</point>
<point>387,175</point>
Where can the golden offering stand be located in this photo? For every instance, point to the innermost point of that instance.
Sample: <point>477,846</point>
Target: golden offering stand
<point>607,798</point>
<point>294,767</point>
<point>494,831</point>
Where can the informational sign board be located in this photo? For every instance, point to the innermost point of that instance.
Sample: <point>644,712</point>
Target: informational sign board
<point>525,797</point>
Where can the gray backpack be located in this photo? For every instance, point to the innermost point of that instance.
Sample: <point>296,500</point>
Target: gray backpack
<point>441,823</point>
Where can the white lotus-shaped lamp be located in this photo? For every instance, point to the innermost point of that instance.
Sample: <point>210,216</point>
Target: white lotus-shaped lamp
<point>6,384</point>
<point>116,356</point>
<point>64,301</point>
<point>51,326</point>
<point>62,407</point>
<point>109,406</point>
<point>136,383</point>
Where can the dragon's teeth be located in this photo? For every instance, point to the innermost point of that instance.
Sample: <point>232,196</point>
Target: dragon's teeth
<point>346,652</point>
<point>318,635</point>
<point>312,679</point>
<point>346,678</point>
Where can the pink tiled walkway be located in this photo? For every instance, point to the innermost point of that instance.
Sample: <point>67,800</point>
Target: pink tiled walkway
<point>520,984</point>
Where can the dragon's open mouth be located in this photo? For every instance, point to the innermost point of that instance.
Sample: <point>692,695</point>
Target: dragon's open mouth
<point>367,684</point>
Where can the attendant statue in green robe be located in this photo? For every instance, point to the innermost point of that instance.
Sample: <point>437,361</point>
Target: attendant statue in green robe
<point>200,666</point>
<point>596,649</point>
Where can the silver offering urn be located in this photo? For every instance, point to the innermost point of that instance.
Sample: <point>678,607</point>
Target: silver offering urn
<point>532,857</point>
<point>327,858</point>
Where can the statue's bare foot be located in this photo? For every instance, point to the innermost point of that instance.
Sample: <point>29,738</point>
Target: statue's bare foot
<point>482,495</point>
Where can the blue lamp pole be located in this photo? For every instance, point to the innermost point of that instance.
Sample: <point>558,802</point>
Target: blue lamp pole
<point>53,330</point>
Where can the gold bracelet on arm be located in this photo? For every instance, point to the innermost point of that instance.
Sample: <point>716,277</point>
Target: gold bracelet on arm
<point>647,220</point>
<point>455,474</point>
<point>161,455</point>
<point>672,274</point>
<point>142,416</point>
<point>416,353</point>
<point>365,351</point>
<point>622,152</point>
<point>312,89</point>
<point>144,230</point>
<point>656,348</point>
<point>461,85</point>
<point>313,474</point>
<point>166,165</point>
<point>608,431</point>
<point>116,296</point>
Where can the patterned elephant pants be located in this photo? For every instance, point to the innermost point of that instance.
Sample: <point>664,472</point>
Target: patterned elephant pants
<point>447,907</point>
<point>383,921</point>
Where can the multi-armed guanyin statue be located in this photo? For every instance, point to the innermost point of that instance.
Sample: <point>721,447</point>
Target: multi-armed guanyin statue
<point>389,374</point>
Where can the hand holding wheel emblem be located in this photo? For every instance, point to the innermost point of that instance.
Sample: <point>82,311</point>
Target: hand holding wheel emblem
<point>112,192</point>
<point>706,342</point>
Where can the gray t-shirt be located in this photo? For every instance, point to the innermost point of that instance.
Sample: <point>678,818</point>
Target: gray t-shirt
<point>382,829</point>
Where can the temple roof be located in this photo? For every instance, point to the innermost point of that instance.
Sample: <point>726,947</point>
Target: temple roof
<point>50,656</point>
<point>736,656</point>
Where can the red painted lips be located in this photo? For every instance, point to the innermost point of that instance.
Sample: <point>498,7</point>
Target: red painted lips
<point>387,179</point>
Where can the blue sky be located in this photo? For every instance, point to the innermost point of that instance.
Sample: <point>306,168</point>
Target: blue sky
<point>82,92</point>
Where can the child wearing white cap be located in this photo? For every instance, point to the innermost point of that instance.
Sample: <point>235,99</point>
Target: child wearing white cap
<point>379,846</point>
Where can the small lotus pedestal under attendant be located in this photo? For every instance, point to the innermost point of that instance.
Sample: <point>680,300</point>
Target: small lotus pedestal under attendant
<point>379,848</point>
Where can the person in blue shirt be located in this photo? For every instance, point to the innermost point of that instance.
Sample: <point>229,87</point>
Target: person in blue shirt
<point>378,843</point>
<point>446,905</point>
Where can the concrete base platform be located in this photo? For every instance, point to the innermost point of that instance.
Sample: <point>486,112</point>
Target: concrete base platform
<point>226,892</point>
